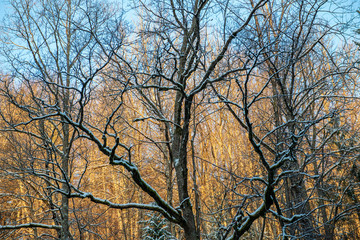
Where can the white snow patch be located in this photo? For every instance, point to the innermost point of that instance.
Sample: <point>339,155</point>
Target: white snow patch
<point>176,162</point>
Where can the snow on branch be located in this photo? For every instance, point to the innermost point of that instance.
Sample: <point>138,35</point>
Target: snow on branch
<point>29,225</point>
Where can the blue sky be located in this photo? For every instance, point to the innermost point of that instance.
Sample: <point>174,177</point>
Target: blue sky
<point>4,7</point>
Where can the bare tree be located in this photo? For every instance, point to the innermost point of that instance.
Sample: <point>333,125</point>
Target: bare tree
<point>296,86</point>
<point>143,97</point>
<point>53,51</point>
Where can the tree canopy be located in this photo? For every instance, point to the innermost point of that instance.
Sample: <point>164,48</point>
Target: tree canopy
<point>218,119</point>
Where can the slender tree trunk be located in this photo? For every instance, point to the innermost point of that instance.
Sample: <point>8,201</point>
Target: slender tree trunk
<point>64,210</point>
<point>66,131</point>
<point>295,189</point>
<point>302,206</point>
<point>169,186</point>
<point>196,189</point>
<point>179,150</point>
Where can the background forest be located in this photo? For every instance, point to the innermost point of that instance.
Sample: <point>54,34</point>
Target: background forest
<point>179,119</point>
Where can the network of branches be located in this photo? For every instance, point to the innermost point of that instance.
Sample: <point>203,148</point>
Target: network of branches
<point>179,119</point>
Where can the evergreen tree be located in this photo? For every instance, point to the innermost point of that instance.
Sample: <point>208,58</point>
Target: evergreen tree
<point>156,228</point>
